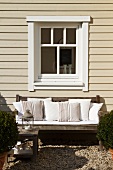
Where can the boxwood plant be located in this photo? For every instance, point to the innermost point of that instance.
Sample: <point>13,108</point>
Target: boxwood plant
<point>8,131</point>
<point>105,130</point>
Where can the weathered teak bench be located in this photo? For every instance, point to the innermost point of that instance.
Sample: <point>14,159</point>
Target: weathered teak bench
<point>69,129</point>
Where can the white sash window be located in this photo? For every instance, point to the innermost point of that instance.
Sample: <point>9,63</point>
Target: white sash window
<point>58,52</point>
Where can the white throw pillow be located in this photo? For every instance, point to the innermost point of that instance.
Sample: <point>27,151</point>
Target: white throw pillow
<point>51,110</point>
<point>18,106</point>
<point>84,107</point>
<point>94,109</point>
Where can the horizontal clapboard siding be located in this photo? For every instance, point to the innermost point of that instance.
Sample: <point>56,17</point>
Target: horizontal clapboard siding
<point>95,14</point>
<point>57,6</point>
<point>14,46</point>
<point>101,73</point>
<point>57,1</point>
<point>14,65</point>
<point>13,58</point>
<point>11,72</point>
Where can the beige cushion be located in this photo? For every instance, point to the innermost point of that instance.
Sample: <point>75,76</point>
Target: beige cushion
<point>84,107</point>
<point>74,112</point>
<point>63,111</point>
<point>40,99</point>
<point>35,108</point>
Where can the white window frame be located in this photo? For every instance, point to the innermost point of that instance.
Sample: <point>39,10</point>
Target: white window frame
<point>78,81</point>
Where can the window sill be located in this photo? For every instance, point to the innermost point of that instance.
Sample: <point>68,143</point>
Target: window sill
<point>58,85</point>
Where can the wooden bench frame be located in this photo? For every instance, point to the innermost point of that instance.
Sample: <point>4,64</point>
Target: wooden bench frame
<point>90,128</point>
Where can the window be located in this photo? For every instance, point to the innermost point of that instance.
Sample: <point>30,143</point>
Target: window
<point>58,52</point>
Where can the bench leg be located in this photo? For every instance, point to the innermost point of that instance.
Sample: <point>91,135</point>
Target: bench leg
<point>100,146</point>
<point>35,147</point>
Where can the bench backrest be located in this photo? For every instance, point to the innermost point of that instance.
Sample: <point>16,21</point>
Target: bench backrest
<point>95,99</point>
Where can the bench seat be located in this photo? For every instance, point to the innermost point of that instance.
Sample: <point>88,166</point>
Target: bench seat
<point>55,125</point>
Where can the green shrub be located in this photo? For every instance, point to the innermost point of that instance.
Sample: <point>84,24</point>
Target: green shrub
<point>105,130</point>
<point>8,131</point>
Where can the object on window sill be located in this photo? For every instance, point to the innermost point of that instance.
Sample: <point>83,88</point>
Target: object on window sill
<point>70,69</point>
<point>64,69</point>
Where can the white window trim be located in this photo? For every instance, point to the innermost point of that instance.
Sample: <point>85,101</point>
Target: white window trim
<point>33,35</point>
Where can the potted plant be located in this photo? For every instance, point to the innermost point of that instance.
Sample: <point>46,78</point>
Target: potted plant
<point>8,134</point>
<point>105,131</point>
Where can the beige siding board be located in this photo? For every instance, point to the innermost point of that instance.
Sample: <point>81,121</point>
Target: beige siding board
<point>13,51</point>
<point>79,7</point>
<point>13,43</point>
<point>16,79</point>
<point>9,100</point>
<point>101,51</point>
<point>101,80</point>
<point>5,21</point>
<point>104,44</point>
<point>96,58</point>
<point>64,93</point>
<point>102,21</point>
<point>57,1</point>
<point>23,14</point>
<point>12,72</point>
<point>13,36</point>
<point>101,73</point>
<point>13,29</point>
<point>11,107</point>
<point>109,107</point>
<point>101,87</point>
<point>101,29</point>
<point>14,58</point>
<point>101,65</point>
<point>14,65</point>
<point>109,101</point>
<point>22,22</point>
<point>101,36</point>
<point>13,87</point>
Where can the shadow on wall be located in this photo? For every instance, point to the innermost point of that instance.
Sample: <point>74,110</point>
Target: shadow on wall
<point>3,104</point>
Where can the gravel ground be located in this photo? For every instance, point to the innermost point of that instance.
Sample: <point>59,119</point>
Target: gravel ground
<point>66,158</point>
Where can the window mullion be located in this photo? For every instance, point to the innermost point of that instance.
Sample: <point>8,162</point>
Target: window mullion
<point>51,35</point>
<point>77,51</point>
<point>64,36</point>
<point>58,57</point>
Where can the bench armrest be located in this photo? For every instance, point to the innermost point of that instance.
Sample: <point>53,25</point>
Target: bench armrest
<point>101,114</point>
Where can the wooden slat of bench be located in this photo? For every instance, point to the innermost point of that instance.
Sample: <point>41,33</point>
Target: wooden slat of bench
<point>91,128</point>
<point>95,99</point>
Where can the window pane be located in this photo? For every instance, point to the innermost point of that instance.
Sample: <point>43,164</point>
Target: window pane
<point>70,36</point>
<point>58,35</point>
<point>68,60</point>
<point>45,35</point>
<point>48,60</point>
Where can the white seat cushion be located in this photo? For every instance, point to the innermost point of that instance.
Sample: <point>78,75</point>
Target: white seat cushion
<point>89,122</point>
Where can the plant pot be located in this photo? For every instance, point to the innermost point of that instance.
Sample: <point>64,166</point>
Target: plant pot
<point>2,159</point>
<point>111,151</point>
